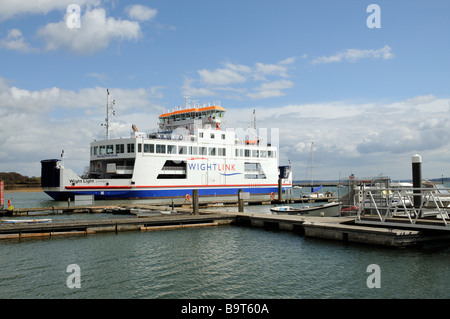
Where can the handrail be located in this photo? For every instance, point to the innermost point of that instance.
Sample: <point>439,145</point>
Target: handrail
<point>396,200</point>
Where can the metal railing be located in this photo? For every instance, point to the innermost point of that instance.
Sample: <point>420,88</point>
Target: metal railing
<point>385,203</point>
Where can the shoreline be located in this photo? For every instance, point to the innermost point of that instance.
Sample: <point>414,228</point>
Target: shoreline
<point>23,190</point>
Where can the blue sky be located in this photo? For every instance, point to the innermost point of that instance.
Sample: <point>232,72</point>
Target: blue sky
<point>369,98</point>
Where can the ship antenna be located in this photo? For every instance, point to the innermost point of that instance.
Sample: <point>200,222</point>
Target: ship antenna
<point>109,110</point>
<point>187,101</point>
<point>252,126</point>
<point>107,114</point>
<point>254,120</point>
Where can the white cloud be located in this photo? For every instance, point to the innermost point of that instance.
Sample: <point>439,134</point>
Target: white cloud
<point>353,55</point>
<point>190,90</point>
<point>15,41</point>
<point>39,124</point>
<point>422,99</point>
<point>101,77</point>
<point>221,77</point>
<point>141,13</point>
<point>365,139</point>
<point>238,81</point>
<point>13,8</point>
<point>271,69</point>
<point>270,89</point>
<point>95,33</point>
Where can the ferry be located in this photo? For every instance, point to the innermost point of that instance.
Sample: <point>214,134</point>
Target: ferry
<point>189,150</point>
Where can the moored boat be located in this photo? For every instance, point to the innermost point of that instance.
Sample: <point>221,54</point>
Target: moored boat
<point>325,210</point>
<point>26,221</point>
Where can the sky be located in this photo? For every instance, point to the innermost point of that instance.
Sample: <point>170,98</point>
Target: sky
<point>367,82</point>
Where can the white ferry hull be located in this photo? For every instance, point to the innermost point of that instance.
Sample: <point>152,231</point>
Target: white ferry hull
<point>69,184</point>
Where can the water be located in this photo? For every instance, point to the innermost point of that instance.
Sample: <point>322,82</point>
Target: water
<point>225,262</point>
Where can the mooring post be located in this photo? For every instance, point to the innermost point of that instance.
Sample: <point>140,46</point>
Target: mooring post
<point>240,201</point>
<point>195,201</point>
<point>280,189</point>
<point>417,180</point>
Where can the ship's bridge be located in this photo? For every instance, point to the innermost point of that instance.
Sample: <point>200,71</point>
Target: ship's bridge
<point>191,117</point>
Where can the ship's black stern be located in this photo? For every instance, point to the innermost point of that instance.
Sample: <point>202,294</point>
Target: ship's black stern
<point>50,173</point>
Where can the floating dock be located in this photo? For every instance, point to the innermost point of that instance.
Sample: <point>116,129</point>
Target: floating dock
<point>115,225</point>
<point>342,229</point>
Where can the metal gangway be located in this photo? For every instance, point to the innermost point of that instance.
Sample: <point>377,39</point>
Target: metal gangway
<point>412,208</point>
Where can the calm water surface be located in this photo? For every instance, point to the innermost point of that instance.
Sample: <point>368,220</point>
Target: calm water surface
<point>222,262</point>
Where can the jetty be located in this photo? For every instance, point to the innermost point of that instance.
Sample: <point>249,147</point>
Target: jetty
<point>343,229</point>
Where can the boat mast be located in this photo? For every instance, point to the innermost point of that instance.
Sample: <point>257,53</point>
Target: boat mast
<point>312,161</point>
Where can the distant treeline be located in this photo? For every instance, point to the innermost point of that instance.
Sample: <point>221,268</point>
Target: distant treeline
<point>317,182</point>
<point>13,179</point>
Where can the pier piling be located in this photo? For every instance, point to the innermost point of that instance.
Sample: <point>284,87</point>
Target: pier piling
<point>280,190</point>
<point>195,201</point>
<point>240,201</point>
<point>417,179</point>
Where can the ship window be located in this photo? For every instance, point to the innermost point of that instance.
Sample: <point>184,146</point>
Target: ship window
<point>212,135</point>
<point>212,151</point>
<point>263,154</point>
<point>221,152</point>
<point>95,150</point>
<point>255,153</point>
<point>120,148</point>
<point>139,147</point>
<point>200,134</point>
<point>241,152</point>
<point>161,149</point>
<point>149,148</point>
<point>182,150</point>
<point>247,153</point>
<point>223,136</point>
<point>202,150</point>
<point>271,154</point>
<point>102,149</point>
<point>236,152</point>
<point>171,149</point>
<point>130,148</point>
<point>193,150</point>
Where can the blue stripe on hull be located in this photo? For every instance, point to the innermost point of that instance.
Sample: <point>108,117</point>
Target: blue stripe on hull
<point>156,193</point>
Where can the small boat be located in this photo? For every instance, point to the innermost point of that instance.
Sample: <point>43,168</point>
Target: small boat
<point>142,212</point>
<point>284,209</point>
<point>26,221</point>
<point>325,210</point>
